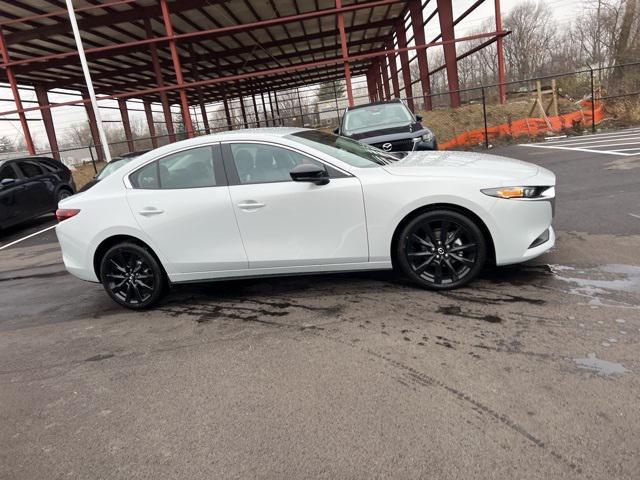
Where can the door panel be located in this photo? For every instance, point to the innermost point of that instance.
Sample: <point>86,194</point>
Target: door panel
<point>37,194</point>
<point>285,223</point>
<point>182,202</point>
<point>12,198</point>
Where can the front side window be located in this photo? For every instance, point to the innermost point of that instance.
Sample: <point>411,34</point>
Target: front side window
<point>260,163</point>
<point>345,149</point>
<point>30,169</point>
<point>192,168</point>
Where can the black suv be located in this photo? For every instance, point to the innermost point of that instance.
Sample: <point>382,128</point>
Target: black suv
<point>387,125</point>
<point>30,187</point>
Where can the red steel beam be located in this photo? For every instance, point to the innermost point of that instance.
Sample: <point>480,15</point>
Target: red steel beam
<point>502,76</point>
<point>221,31</point>
<point>272,72</point>
<point>152,127</point>
<point>186,116</point>
<point>345,52</point>
<point>126,123</point>
<point>417,20</point>
<point>401,34</point>
<point>445,16</point>
<point>47,118</point>
<point>16,96</point>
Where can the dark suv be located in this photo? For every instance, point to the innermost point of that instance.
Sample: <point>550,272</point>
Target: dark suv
<point>387,125</point>
<point>30,187</point>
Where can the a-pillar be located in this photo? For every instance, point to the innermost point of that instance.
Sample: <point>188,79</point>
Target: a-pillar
<point>401,34</point>
<point>345,54</point>
<point>4,51</point>
<point>47,119</point>
<point>150,123</point>
<point>126,124</point>
<point>164,100</point>
<point>417,20</point>
<point>184,102</point>
<point>445,14</point>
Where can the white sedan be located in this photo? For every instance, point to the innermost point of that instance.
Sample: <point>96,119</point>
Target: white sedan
<point>266,202</point>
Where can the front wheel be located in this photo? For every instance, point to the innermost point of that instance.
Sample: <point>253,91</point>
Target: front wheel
<point>132,276</point>
<point>441,250</point>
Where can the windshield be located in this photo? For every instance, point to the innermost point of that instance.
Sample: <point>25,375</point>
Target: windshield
<point>349,151</point>
<point>112,166</point>
<point>375,117</point>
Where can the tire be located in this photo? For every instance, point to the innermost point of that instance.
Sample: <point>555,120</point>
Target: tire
<point>62,194</point>
<point>441,250</point>
<point>132,276</point>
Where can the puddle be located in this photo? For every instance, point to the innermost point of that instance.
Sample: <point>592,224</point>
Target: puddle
<point>595,283</point>
<point>601,367</point>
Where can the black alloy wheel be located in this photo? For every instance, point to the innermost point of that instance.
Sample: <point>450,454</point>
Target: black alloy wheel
<point>64,193</point>
<point>132,276</point>
<point>441,249</point>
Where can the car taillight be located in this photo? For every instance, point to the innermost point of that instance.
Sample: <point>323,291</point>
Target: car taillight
<point>65,213</point>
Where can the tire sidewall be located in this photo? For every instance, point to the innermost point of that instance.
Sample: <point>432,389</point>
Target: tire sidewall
<point>401,253</point>
<point>158,275</point>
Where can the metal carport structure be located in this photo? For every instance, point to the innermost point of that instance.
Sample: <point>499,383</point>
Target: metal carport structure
<point>195,52</point>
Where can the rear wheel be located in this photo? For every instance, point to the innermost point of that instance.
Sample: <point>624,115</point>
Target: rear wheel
<point>63,193</point>
<point>132,276</point>
<point>441,249</point>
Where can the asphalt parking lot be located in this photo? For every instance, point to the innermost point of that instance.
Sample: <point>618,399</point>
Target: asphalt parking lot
<point>530,372</point>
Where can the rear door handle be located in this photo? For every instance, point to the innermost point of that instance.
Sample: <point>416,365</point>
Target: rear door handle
<point>251,205</point>
<point>150,211</point>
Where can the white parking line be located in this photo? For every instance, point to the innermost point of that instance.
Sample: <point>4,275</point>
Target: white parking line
<point>27,237</point>
<point>635,216</point>
<point>604,152</point>
<point>597,145</point>
<point>590,139</point>
<point>622,133</point>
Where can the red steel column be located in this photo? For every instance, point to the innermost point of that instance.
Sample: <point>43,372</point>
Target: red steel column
<point>273,115</point>
<point>16,96</point>
<point>395,82</point>
<point>377,74</point>
<point>93,126</point>
<point>242,106</point>
<point>196,77</point>
<point>152,126</point>
<point>164,100</point>
<point>264,108</point>
<point>345,54</point>
<point>417,20</point>
<point>404,64</point>
<point>385,78</point>
<point>227,113</point>
<point>371,90</point>
<point>124,114</point>
<point>502,76</point>
<point>43,101</point>
<point>255,108</point>
<point>186,117</point>
<point>445,15</point>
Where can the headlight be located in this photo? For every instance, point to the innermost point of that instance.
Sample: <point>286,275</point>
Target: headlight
<point>427,137</point>
<point>515,192</point>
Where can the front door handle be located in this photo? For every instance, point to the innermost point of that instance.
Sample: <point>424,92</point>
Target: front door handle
<point>251,205</point>
<point>150,211</point>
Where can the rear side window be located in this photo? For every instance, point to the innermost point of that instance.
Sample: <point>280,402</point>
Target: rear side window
<point>30,169</point>
<point>7,172</point>
<point>192,168</point>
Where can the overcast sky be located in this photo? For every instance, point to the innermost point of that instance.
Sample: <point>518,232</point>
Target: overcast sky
<point>64,117</point>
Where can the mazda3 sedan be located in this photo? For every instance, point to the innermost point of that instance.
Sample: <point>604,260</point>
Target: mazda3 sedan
<point>288,201</point>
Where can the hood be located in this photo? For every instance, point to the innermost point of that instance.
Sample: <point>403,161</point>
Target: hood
<point>408,130</point>
<point>463,164</point>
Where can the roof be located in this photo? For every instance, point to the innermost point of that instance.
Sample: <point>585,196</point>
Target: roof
<point>218,38</point>
<point>395,100</point>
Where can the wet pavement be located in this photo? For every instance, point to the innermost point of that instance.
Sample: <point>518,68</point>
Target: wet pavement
<point>530,372</point>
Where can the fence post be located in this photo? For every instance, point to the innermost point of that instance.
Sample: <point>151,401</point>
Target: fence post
<point>593,102</point>
<point>93,160</point>
<point>484,116</point>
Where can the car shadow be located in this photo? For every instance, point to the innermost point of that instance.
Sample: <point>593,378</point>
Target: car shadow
<point>10,234</point>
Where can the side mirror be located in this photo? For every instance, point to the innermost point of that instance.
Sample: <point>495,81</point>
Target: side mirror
<point>310,173</point>
<point>336,131</point>
<point>418,118</point>
<point>5,182</point>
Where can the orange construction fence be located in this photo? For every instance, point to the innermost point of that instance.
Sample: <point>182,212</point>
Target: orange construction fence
<point>531,127</point>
